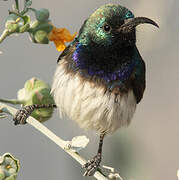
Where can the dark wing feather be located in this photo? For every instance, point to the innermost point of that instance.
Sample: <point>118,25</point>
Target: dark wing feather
<point>72,44</point>
<point>138,82</point>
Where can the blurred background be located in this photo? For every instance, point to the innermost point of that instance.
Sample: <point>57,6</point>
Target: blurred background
<point>148,149</point>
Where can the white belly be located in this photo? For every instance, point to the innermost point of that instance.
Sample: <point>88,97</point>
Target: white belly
<point>89,106</point>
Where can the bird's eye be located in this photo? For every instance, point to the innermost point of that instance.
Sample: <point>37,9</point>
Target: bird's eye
<point>106,28</point>
<point>129,15</point>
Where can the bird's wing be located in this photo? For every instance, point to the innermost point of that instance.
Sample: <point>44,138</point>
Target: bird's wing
<point>70,48</point>
<point>138,79</point>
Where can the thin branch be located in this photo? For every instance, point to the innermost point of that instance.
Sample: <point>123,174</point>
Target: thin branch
<point>4,35</point>
<point>11,101</point>
<point>17,5</point>
<point>60,142</point>
<point>2,116</point>
<point>16,13</point>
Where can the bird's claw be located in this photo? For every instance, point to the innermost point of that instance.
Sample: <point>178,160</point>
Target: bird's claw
<point>92,165</point>
<point>21,115</point>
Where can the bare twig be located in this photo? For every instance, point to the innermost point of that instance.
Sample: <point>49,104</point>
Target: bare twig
<point>60,142</point>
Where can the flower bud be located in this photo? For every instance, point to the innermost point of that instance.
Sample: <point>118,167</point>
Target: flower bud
<point>39,32</point>
<point>42,14</point>
<point>13,23</point>
<point>36,91</point>
<point>2,174</point>
<point>41,37</point>
<point>9,167</point>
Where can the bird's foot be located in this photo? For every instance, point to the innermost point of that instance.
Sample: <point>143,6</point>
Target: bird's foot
<point>22,114</point>
<point>25,112</point>
<point>92,165</point>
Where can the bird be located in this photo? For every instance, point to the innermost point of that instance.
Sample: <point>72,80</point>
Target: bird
<point>100,76</point>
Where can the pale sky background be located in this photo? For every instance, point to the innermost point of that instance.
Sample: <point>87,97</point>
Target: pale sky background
<point>149,148</point>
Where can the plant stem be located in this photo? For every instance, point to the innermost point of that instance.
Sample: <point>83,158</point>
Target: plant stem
<point>17,5</point>
<point>11,101</point>
<point>3,116</point>
<point>4,35</point>
<point>16,13</point>
<point>60,142</point>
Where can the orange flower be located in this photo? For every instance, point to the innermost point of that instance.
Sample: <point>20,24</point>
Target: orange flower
<point>60,36</point>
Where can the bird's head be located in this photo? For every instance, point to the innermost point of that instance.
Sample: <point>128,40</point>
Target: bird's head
<point>111,25</point>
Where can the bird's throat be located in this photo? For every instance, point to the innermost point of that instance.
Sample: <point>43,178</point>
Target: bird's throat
<point>101,62</point>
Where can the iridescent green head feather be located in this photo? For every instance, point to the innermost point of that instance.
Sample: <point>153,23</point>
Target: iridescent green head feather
<point>111,16</point>
<point>103,27</point>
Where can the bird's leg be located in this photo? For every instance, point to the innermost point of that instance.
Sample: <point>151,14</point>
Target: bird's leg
<point>21,115</point>
<point>92,165</point>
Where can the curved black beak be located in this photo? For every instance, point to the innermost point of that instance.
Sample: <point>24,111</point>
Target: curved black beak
<point>132,23</point>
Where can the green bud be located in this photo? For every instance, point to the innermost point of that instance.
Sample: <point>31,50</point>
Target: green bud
<point>41,37</point>
<point>36,91</point>
<point>37,25</point>
<point>12,27</point>
<point>39,32</point>
<point>9,167</point>
<point>12,177</point>
<point>24,28</point>
<point>26,25</point>
<point>13,23</point>
<point>2,174</point>
<point>42,14</point>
